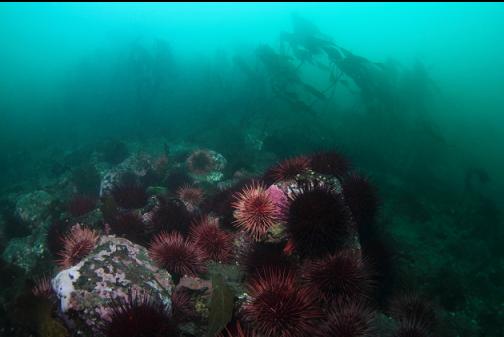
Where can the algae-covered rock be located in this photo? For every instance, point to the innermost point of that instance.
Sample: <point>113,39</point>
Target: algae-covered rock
<point>113,269</point>
<point>33,208</point>
<point>33,211</point>
<point>213,299</point>
<point>138,166</point>
<point>27,251</point>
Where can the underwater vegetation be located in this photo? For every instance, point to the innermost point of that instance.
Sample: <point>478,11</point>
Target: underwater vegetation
<point>223,202</point>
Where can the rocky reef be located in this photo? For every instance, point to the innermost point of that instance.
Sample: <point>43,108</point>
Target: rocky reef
<point>173,244</point>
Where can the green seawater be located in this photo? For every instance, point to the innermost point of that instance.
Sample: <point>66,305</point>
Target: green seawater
<point>412,94</point>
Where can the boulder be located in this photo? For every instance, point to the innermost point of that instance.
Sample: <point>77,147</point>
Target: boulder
<point>113,269</point>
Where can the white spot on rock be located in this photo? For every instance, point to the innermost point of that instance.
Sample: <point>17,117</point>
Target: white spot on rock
<point>63,285</point>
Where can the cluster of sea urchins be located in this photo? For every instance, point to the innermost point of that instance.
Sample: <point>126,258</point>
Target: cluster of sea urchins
<point>299,234</point>
<point>313,279</point>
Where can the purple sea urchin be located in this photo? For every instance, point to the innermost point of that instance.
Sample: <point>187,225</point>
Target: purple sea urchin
<point>130,195</point>
<point>139,315</point>
<point>350,319</point>
<point>410,307</point>
<point>288,169</point>
<point>169,215</point>
<point>129,225</point>
<point>338,276</point>
<point>330,163</point>
<point>279,308</point>
<point>318,220</point>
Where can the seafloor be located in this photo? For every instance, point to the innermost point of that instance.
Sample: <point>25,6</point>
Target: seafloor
<point>155,238</point>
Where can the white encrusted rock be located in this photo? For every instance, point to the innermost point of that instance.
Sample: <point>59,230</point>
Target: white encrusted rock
<point>113,269</point>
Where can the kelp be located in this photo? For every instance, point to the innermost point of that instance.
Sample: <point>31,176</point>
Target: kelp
<point>221,306</point>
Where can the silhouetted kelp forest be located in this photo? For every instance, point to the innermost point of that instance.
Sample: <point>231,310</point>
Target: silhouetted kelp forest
<point>438,220</point>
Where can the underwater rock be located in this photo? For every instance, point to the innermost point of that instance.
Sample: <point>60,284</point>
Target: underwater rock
<point>27,251</point>
<point>212,300</point>
<point>253,141</point>
<point>137,165</point>
<point>199,292</point>
<point>33,208</point>
<point>113,269</point>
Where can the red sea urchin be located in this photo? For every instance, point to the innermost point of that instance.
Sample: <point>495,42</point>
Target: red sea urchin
<point>55,235</point>
<point>411,308</point>
<point>139,315</point>
<point>169,215</point>
<point>338,276</point>
<point>288,169</point>
<point>183,309</point>
<point>80,205</point>
<point>278,308</point>
<point>330,163</point>
<point>255,211</point>
<point>43,288</point>
<point>76,245</point>
<point>130,195</point>
<point>215,243</point>
<point>130,226</point>
<point>200,161</point>
<point>176,179</point>
<point>190,196</point>
<point>411,329</point>
<point>180,257</point>
<point>350,319</point>
<point>221,202</point>
<point>318,220</point>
